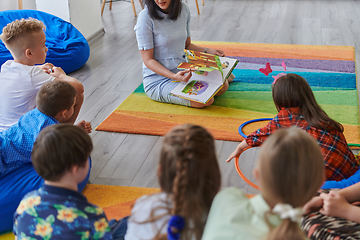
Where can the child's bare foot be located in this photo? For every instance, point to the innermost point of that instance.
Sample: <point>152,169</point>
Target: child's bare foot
<point>85,125</point>
<point>231,78</point>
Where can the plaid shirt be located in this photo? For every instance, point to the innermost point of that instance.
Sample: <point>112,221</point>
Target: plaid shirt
<point>340,162</point>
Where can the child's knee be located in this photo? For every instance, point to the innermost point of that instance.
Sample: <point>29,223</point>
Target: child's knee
<point>223,89</point>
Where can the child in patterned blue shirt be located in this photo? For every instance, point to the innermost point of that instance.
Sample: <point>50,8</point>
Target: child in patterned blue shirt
<point>57,210</point>
<point>55,103</point>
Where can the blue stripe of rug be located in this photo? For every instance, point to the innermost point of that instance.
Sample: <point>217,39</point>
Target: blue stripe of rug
<point>323,79</point>
<point>249,87</point>
<point>330,65</point>
<point>255,66</point>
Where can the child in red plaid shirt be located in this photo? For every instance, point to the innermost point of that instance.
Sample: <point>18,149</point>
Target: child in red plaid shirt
<point>297,106</point>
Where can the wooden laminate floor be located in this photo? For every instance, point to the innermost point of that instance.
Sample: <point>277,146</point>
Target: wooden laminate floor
<point>114,71</point>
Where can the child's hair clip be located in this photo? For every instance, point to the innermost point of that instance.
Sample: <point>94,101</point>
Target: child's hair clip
<point>286,211</point>
<point>277,77</point>
<point>175,225</point>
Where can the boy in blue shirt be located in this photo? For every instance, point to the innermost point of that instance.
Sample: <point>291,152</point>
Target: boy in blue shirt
<point>57,210</point>
<point>55,104</point>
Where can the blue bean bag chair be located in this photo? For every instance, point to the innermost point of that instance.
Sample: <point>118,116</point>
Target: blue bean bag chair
<point>68,48</point>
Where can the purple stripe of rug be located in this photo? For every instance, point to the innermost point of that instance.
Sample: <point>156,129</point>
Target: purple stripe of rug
<point>330,65</point>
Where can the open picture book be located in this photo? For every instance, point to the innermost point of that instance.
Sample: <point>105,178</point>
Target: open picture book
<point>210,73</point>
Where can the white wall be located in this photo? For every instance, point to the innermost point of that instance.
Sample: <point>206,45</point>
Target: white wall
<point>59,8</point>
<point>83,14</point>
<point>13,4</point>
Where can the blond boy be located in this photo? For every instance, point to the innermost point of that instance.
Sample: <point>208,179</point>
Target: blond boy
<point>20,79</point>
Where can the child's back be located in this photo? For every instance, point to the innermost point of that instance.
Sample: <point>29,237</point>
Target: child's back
<point>189,178</point>
<point>55,103</point>
<point>57,210</point>
<point>61,214</point>
<point>17,141</point>
<point>19,85</point>
<point>297,106</point>
<point>290,170</point>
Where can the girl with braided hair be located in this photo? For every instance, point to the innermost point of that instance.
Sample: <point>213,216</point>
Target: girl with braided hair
<point>189,178</point>
<point>289,172</point>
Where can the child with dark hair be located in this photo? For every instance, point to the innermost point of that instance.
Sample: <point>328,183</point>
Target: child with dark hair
<point>162,33</point>
<point>297,106</point>
<point>286,183</point>
<point>20,79</point>
<point>189,178</point>
<point>55,101</point>
<point>57,210</point>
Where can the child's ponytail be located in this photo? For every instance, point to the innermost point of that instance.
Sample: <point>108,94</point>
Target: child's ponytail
<point>291,170</point>
<point>177,221</point>
<point>289,228</point>
<point>285,231</point>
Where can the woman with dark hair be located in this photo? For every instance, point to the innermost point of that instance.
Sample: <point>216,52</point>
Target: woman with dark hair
<point>162,33</point>
<point>297,106</point>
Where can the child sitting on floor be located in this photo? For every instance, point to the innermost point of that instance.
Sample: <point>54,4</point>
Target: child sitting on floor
<point>297,106</point>
<point>337,203</point>
<point>57,210</point>
<point>342,204</point>
<point>189,178</point>
<point>20,79</point>
<point>289,172</point>
<point>55,104</point>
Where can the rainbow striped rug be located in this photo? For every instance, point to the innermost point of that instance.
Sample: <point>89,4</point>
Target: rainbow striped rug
<point>330,71</point>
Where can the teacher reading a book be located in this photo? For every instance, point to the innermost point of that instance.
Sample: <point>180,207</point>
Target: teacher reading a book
<point>162,33</point>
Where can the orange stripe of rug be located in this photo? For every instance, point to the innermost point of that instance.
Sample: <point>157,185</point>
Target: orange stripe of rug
<point>122,210</point>
<point>119,121</point>
<point>221,128</point>
<point>291,51</point>
<point>117,201</point>
<point>352,133</point>
<point>106,195</point>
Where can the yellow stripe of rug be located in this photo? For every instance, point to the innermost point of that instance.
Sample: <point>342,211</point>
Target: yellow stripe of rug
<point>142,106</point>
<point>137,102</point>
<point>7,236</point>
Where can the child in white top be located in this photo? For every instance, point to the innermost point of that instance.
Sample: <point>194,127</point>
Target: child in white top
<point>20,79</point>
<point>290,170</point>
<point>189,178</point>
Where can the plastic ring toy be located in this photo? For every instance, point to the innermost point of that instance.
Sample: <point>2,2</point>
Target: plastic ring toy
<point>251,121</point>
<point>237,167</point>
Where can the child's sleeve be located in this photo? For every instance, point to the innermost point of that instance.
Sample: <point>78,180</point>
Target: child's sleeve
<point>39,77</point>
<point>227,215</point>
<point>259,136</point>
<point>343,183</point>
